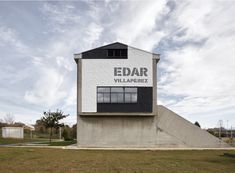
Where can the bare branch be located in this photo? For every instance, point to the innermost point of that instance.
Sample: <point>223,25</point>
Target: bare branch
<point>9,118</point>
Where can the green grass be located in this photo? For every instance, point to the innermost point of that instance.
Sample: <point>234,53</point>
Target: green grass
<point>28,160</point>
<point>60,143</point>
<point>4,141</point>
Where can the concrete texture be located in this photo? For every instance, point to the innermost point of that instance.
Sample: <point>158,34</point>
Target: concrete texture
<point>165,130</point>
<point>189,134</point>
<point>116,131</point>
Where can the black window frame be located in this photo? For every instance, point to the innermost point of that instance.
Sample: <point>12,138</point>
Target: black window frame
<point>133,94</point>
<point>116,53</point>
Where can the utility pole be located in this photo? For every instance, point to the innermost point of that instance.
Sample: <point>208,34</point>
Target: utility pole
<point>227,130</point>
<point>220,126</point>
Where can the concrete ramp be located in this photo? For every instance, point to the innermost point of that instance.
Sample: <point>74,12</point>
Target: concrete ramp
<point>189,134</point>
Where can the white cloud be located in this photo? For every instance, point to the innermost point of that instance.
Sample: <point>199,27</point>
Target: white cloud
<point>93,32</point>
<point>60,15</point>
<point>9,38</point>
<point>137,23</point>
<point>201,74</point>
<point>46,91</point>
<point>71,100</point>
<point>64,62</point>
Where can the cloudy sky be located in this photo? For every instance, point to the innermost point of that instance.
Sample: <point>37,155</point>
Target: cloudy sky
<point>196,40</point>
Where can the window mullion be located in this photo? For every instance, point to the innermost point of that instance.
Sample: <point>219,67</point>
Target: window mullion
<point>124,93</point>
<point>109,94</point>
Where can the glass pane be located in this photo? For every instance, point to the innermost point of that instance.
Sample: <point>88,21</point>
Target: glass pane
<point>106,98</point>
<point>117,52</point>
<point>116,95</point>
<point>100,98</point>
<point>127,98</point>
<point>133,98</point>
<point>110,52</point>
<point>114,98</point>
<point>120,98</point>
<point>119,89</point>
<point>133,90</point>
<point>103,89</point>
<point>123,52</point>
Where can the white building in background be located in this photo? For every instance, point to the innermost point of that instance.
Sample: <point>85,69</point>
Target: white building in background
<point>117,103</point>
<point>13,132</point>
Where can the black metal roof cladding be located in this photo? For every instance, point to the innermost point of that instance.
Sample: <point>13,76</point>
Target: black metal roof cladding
<point>118,45</point>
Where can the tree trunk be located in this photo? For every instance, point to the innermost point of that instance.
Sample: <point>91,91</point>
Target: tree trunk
<point>50,134</point>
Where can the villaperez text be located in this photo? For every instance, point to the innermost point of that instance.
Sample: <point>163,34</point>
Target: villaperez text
<point>123,80</point>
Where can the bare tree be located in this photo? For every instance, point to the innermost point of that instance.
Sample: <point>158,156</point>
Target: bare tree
<point>9,118</point>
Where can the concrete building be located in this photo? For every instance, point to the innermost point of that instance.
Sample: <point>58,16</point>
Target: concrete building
<point>117,103</point>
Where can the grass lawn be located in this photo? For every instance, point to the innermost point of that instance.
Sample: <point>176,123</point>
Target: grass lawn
<point>28,160</point>
<point>4,141</point>
<point>60,143</point>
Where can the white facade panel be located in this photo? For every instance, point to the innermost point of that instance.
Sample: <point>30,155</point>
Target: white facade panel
<point>101,72</point>
<point>13,132</point>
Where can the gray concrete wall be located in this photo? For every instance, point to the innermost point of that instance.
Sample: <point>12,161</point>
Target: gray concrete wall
<point>188,133</point>
<point>165,130</point>
<point>123,132</point>
<point>116,131</point>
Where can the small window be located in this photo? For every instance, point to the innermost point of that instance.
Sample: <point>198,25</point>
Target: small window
<point>131,90</point>
<point>116,95</point>
<point>110,52</point>
<point>117,98</point>
<point>127,98</point>
<point>120,98</point>
<point>114,98</point>
<point>118,89</point>
<point>100,98</point>
<point>104,89</point>
<point>123,52</point>
<point>133,97</point>
<point>106,97</point>
<point>115,53</point>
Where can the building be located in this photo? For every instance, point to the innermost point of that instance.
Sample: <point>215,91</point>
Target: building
<point>17,131</point>
<point>13,132</point>
<point>117,103</point>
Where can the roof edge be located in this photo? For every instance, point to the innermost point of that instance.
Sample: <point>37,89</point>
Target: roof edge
<point>79,55</point>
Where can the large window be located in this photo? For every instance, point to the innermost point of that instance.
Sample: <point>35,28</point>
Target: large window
<point>116,95</point>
